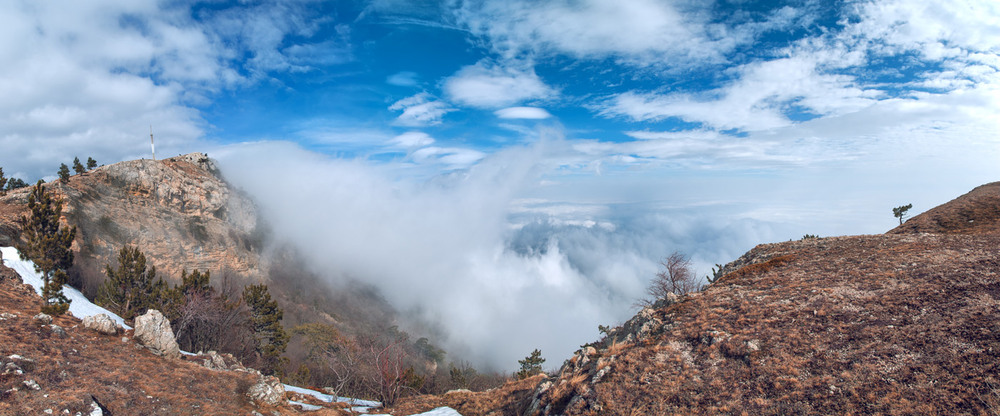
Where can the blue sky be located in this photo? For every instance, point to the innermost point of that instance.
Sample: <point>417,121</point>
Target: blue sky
<point>550,152</point>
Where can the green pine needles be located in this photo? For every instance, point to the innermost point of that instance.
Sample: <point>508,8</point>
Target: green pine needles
<point>45,242</point>
<point>265,321</point>
<point>132,288</point>
<point>530,365</point>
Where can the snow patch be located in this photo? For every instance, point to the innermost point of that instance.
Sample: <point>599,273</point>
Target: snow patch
<point>79,306</point>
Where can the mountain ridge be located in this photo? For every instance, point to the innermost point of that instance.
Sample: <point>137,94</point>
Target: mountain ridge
<point>897,323</point>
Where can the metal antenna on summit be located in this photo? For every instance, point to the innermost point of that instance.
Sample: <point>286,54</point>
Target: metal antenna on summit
<point>151,145</point>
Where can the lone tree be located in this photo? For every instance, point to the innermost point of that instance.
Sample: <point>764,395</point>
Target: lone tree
<point>78,167</point>
<point>270,338</point>
<point>530,365</point>
<point>63,173</point>
<point>47,244</point>
<point>676,277</point>
<point>91,163</point>
<point>130,289</point>
<point>900,212</point>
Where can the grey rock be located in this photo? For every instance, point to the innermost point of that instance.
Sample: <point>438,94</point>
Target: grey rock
<point>58,331</point>
<point>31,384</point>
<point>101,323</point>
<point>152,330</point>
<point>268,390</point>
<point>43,319</point>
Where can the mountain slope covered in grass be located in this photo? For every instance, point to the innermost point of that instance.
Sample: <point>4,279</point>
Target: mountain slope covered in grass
<point>901,323</point>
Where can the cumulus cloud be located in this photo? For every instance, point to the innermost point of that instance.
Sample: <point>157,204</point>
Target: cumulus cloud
<point>88,79</point>
<point>485,85</point>
<point>529,113</point>
<point>420,110</point>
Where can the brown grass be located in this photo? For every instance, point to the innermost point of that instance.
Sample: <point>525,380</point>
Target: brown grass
<point>511,399</point>
<point>124,377</point>
<point>845,325</point>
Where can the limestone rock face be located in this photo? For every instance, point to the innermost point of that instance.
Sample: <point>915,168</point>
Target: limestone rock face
<point>101,323</point>
<point>178,211</point>
<point>153,331</point>
<point>268,390</point>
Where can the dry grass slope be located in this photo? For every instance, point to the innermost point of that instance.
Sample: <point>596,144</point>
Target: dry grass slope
<point>902,323</point>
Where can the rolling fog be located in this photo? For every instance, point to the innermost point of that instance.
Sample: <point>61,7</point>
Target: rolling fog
<point>499,273</point>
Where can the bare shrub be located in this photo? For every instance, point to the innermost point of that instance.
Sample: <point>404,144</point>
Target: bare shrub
<point>676,278</point>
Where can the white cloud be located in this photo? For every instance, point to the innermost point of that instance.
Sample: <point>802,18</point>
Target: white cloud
<point>638,32</point>
<point>403,79</point>
<point>490,86</point>
<point>87,79</point>
<point>529,113</point>
<point>759,99</point>
<point>412,139</point>
<point>420,110</point>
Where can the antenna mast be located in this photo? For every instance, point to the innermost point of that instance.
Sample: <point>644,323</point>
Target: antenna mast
<point>151,145</point>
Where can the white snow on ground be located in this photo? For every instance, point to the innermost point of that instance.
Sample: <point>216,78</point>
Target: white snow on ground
<point>79,306</point>
<point>357,405</point>
<point>441,411</point>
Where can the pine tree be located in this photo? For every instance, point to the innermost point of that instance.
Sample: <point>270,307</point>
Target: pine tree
<point>48,245</point>
<point>91,163</point>
<point>130,289</point>
<point>196,283</point>
<point>265,321</point>
<point>3,181</point>
<point>900,212</point>
<point>78,167</point>
<point>14,183</point>
<point>63,173</point>
<point>530,365</point>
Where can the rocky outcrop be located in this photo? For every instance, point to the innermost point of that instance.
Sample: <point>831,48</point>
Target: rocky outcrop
<point>268,390</point>
<point>43,318</point>
<point>178,211</point>
<point>101,323</point>
<point>152,330</point>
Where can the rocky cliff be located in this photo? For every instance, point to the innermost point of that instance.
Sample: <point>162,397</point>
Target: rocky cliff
<point>178,211</point>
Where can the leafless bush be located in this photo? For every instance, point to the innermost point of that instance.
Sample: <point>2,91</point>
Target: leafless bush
<point>676,277</point>
<point>207,322</point>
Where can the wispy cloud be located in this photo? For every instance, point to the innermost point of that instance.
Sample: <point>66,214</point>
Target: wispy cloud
<point>403,79</point>
<point>420,110</point>
<point>529,113</point>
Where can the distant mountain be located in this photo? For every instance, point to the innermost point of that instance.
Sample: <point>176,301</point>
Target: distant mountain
<point>901,323</point>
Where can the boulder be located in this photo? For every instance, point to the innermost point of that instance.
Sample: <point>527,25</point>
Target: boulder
<point>152,330</point>
<point>58,331</point>
<point>268,390</point>
<point>43,318</point>
<point>101,323</point>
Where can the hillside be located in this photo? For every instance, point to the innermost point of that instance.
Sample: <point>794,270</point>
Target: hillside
<point>179,211</point>
<point>183,215</point>
<point>64,368</point>
<point>977,212</point>
<point>901,323</point>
